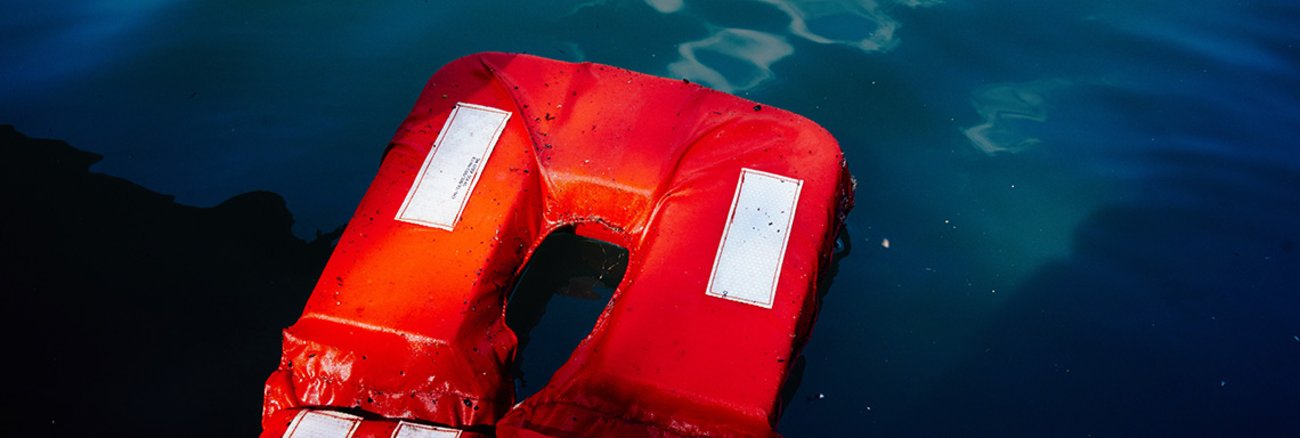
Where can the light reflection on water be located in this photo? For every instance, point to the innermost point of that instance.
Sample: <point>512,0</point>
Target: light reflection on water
<point>755,50</point>
<point>1003,106</point>
<point>860,24</point>
<point>1090,206</point>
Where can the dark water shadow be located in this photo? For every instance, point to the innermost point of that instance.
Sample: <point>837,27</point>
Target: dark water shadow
<point>564,288</point>
<point>1175,316</point>
<point>794,380</point>
<point>129,312</point>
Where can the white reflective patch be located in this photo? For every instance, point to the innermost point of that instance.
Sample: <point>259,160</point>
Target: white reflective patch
<point>453,166</point>
<point>322,424</point>
<point>413,430</point>
<point>749,258</point>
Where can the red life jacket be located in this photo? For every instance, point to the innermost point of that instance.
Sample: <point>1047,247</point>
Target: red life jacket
<point>728,208</point>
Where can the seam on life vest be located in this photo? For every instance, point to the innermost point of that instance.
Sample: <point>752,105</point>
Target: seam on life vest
<point>378,328</point>
<point>458,396</point>
<point>673,186</point>
<point>638,418</point>
<point>508,87</point>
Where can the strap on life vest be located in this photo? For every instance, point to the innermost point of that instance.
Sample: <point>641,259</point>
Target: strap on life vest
<point>728,210</point>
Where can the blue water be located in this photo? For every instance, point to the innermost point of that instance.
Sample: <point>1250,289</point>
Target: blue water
<point>1073,218</point>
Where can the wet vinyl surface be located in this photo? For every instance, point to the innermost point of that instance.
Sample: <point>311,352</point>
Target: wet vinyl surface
<point>1073,218</point>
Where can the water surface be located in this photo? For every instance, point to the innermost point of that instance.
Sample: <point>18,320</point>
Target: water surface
<point>1090,207</point>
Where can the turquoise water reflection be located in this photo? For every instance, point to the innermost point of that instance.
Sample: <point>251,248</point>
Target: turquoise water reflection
<point>1090,206</point>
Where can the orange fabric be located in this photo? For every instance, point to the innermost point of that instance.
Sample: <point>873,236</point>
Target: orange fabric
<point>407,321</point>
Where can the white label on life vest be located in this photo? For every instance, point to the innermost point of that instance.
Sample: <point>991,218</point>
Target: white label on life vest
<point>453,166</point>
<point>322,424</point>
<point>749,258</point>
<point>413,430</point>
